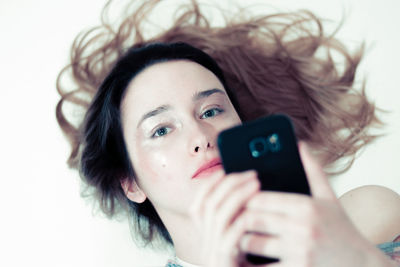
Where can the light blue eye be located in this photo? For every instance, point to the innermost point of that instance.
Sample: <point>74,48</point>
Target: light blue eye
<point>211,113</point>
<point>161,131</point>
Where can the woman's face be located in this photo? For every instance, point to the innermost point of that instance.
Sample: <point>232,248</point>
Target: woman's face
<point>171,116</point>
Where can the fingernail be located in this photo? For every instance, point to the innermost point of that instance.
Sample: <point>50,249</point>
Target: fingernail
<point>251,185</point>
<point>251,173</point>
<point>244,242</point>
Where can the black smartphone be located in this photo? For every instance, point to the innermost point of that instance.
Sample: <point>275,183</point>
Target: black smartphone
<point>267,145</point>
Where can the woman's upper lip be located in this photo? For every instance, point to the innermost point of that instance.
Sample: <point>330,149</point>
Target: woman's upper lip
<point>207,165</point>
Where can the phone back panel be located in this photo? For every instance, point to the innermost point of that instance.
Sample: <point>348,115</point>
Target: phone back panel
<point>269,146</point>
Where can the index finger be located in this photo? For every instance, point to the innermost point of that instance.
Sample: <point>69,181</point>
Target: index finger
<point>204,191</point>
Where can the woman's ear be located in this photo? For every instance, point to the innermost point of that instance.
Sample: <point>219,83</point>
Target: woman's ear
<point>132,191</point>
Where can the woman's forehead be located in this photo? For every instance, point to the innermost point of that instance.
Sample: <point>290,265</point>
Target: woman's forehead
<point>176,72</point>
<point>168,81</point>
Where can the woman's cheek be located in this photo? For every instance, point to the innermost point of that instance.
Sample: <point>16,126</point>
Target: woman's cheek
<point>157,162</point>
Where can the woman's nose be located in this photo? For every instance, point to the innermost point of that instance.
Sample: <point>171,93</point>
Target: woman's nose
<point>197,148</point>
<point>202,139</point>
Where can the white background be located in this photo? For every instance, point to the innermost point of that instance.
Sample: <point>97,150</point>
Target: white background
<point>44,222</point>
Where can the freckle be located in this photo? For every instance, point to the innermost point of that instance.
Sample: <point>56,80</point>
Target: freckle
<point>163,165</point>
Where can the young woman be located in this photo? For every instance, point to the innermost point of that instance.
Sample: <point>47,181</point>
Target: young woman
<point>147,142</point>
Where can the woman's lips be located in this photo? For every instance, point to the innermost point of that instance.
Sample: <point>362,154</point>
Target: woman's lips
<point>208,168</point>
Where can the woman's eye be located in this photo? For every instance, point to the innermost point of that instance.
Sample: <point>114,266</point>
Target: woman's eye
<point>211,113</point>
<point>161,132</point>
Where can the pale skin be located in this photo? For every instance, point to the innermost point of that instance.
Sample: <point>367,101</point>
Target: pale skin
<point>213,220</point>
<point>375,210</point>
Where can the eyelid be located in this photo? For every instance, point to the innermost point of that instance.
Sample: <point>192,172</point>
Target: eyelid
<point>158,127</point>
<point>214,107</point>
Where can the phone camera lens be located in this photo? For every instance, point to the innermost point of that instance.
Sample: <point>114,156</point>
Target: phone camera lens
<point>273,143</point>
<point>258,147</point>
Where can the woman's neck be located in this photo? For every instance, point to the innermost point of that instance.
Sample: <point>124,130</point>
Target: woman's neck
<point>185,237</point>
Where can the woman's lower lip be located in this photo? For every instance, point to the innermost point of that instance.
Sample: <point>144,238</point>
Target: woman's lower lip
<point>209,171</point>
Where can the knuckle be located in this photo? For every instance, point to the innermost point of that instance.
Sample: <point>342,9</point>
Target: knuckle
<point>249,220</point>
<point>257,224</point>
<point>257,201</point>
<point>240,222</point>
<point>311,232</point>
<point>314,232</point>
<point>309,209</point>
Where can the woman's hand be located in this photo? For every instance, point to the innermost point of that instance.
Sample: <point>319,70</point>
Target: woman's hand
<point>306,231</point>
<point>235,218</point>
<point>216,212</point>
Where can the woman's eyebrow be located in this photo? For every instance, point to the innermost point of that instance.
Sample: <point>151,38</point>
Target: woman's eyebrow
<point>207,93</point>
<point>153,113</point>
<point>163,108</point>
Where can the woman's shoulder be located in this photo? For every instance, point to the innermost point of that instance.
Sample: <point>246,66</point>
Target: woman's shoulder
<point>375,211</point>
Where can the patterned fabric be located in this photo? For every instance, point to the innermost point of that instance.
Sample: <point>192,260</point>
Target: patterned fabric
<point>391,249</point>
<point>171,263</point>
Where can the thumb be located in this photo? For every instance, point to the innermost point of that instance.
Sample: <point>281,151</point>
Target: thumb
<point>319,184</point>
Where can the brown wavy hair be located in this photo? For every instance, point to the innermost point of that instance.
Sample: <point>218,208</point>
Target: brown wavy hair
<point>279,63</point>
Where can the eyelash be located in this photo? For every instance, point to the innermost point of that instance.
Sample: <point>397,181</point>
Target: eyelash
<point>218,110</point>
<point>156,133</point>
